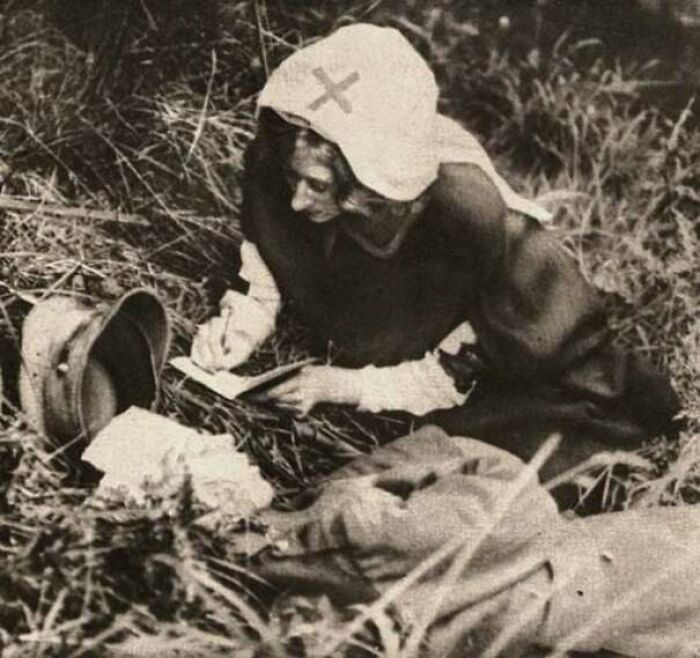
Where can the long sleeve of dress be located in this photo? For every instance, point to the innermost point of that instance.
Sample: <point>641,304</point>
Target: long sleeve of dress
<point>253,314</point>
<point>542,331</point>
<point>531,308</point>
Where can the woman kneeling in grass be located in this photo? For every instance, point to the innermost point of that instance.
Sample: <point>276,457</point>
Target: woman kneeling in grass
<point>431,283</point>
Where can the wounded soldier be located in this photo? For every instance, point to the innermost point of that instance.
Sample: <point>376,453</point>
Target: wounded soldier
<point>625,582</point>
<point>434,288</point>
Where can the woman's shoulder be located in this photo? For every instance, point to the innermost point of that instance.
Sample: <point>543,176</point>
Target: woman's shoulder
<point>468,191</point>
<point>469,206</point>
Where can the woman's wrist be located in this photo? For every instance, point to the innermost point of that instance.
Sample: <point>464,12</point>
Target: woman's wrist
<point>346,385</point>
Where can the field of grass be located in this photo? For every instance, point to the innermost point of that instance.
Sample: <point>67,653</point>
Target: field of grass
<point>146,108</point>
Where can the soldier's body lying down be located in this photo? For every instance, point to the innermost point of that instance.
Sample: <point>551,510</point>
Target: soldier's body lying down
<point>624,581</point>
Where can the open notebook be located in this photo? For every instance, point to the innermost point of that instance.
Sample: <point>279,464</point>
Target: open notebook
<point>229,385</point>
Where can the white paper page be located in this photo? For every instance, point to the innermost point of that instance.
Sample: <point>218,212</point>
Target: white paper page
<point>227,384</point>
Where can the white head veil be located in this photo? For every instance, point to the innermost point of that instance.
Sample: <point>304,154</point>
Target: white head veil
<point>366,89</point>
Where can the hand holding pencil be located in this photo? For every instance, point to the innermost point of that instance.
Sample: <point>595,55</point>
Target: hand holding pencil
<point>219,345</point>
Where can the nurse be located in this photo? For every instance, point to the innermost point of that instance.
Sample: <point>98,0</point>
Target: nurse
<point>431,286</point>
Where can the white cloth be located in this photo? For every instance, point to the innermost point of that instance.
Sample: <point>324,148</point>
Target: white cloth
<point>252,315</point>
<point>455,144</point>
<point>142,453</point>
<point>366,89</point>
<point>415,386</point>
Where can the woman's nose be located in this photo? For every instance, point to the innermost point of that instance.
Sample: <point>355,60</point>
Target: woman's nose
<point>301,200</point>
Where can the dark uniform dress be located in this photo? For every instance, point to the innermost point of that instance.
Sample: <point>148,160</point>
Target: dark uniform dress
<point>543,361</point>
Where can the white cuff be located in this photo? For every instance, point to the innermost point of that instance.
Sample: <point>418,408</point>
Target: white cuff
<point>415,386</point>
<point>256,273</point>
<point>253,314</point>
<point>246,315</point>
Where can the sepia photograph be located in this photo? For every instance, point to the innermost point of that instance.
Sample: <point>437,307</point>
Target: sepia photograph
<point>350,328</point>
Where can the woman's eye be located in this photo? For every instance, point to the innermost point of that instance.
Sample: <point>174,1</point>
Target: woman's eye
<point>319,188</point>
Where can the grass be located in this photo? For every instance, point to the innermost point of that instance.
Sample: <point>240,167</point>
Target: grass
<point>113,117</point>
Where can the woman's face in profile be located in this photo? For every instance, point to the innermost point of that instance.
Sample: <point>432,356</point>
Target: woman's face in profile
<point>313,184</point>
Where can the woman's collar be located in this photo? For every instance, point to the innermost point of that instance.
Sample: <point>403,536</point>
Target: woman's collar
<point>381,236</point>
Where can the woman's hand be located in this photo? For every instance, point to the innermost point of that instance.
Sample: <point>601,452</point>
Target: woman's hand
<point>218,347</point>
<point>315,384</point>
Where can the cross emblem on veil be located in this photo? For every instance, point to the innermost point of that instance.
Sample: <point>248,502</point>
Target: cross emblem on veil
<point>333,90</point>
